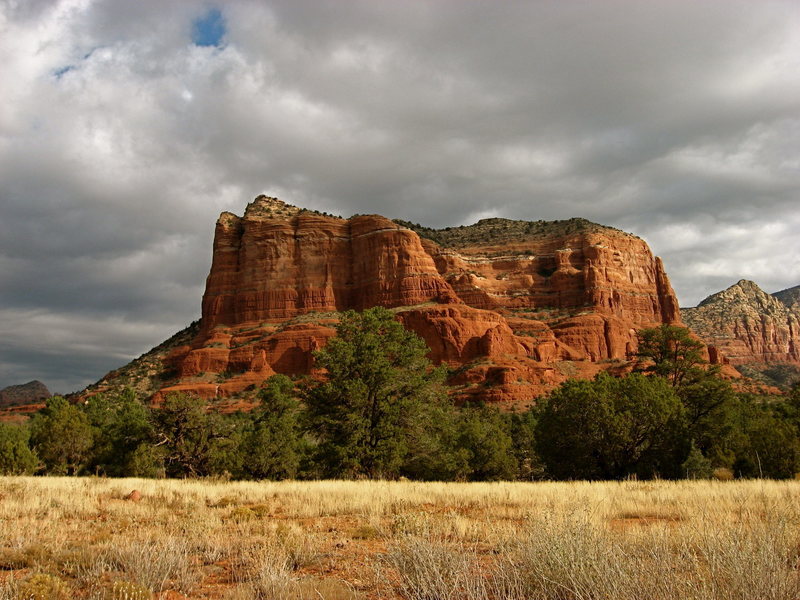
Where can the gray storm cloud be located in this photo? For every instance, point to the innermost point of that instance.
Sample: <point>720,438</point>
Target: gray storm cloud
<point>122,138</point>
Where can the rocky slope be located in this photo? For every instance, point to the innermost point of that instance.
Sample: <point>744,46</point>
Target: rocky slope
<point>513,308</point>
<point>749,326</point>
<point>27,393</point>
<point>147,373</point>
<point>790,297</point>
<point>19,400</point>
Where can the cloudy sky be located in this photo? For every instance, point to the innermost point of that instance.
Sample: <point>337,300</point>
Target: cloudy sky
<point>126,127</point>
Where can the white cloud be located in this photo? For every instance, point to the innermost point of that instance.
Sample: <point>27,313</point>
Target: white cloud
<point>121,140</point>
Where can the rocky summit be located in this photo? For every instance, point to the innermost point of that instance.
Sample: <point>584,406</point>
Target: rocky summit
<point>749,326</point>
<point>513,308</point>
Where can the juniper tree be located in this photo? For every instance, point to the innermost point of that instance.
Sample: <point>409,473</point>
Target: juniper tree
<point>272,446</point>
<point>16,457</point>
<point>676,355</point>
<point>378,380</point>
<point>62,437</point>
<point>612,427</point>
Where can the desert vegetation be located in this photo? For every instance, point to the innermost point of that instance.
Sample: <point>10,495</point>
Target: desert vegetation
<point>382,412</point>
<point>68,537</point>
<point>380,418</point>
<point>497,231</point>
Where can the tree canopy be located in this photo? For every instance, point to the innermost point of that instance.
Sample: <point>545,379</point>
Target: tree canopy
<point>378,379</point>
<point>273,443</point>
<point>61,436</point>
<point>377,407</point>
<point>610,427</point>
<point>16,457</point>
<point>676,355</point>
<point>195,441</point>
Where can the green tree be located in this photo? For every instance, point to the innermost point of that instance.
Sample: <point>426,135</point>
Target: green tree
<point>611,427</point>
<point>710,405</point>
<point>273,444</point>
<point>433,445</point>
<point>123,436</point>
<point>794,395</point>
<point>146,460</point>
<point>711,402</point>
<point>378,378</point>
<point>62,437</point>
<point>697,466</point>
<point>764,444</point>
<point>485,437</point>
<point>195,442</point>
<point>676,355</point>
<point>16,457</point>
<point>703,399</point>
<point>791,407</point>
<point>523,435</point>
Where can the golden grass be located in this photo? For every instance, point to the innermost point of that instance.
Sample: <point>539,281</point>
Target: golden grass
<point>347,540</point>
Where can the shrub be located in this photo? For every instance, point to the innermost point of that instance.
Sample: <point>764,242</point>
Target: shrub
<point>16,457</point>
<point>42,587</point>
<point>697,466</point>
<point>722,474</point>
<point>241,514</point>
<point>127,590</point>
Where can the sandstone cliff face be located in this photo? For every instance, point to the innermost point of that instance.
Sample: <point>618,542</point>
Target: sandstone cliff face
<point>514,308</point>
<point>278,262</point>
<point>749,326</point>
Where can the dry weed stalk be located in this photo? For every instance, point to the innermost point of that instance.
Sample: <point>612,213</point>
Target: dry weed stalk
<point>483,541</point>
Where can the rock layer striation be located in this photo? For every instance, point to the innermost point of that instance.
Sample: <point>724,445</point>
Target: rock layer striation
<point>512,307</point>
<point>748,325</point>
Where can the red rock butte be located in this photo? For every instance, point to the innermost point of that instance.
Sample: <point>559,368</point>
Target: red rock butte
<point>513,308</point>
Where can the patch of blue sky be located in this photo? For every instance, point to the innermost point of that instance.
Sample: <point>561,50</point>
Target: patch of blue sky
<point>209,30</point>
<point>61,71</point>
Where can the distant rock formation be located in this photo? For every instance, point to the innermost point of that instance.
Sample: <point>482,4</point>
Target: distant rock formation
<point>512,307</point>
<point>748,325</point>
<point>33,392</point>
<point>790,297</point>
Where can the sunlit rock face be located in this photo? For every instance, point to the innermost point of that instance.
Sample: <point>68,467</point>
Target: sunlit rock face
<point>749,326</point>
<point>512,307</point>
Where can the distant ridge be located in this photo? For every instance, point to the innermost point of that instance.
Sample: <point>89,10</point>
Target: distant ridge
<point>26,393</point>
<point>790,297</point>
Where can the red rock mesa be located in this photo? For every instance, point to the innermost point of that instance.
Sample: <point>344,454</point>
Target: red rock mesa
<point>512,307</point>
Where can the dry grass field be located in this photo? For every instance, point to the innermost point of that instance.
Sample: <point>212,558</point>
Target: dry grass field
<point>80,538</point>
